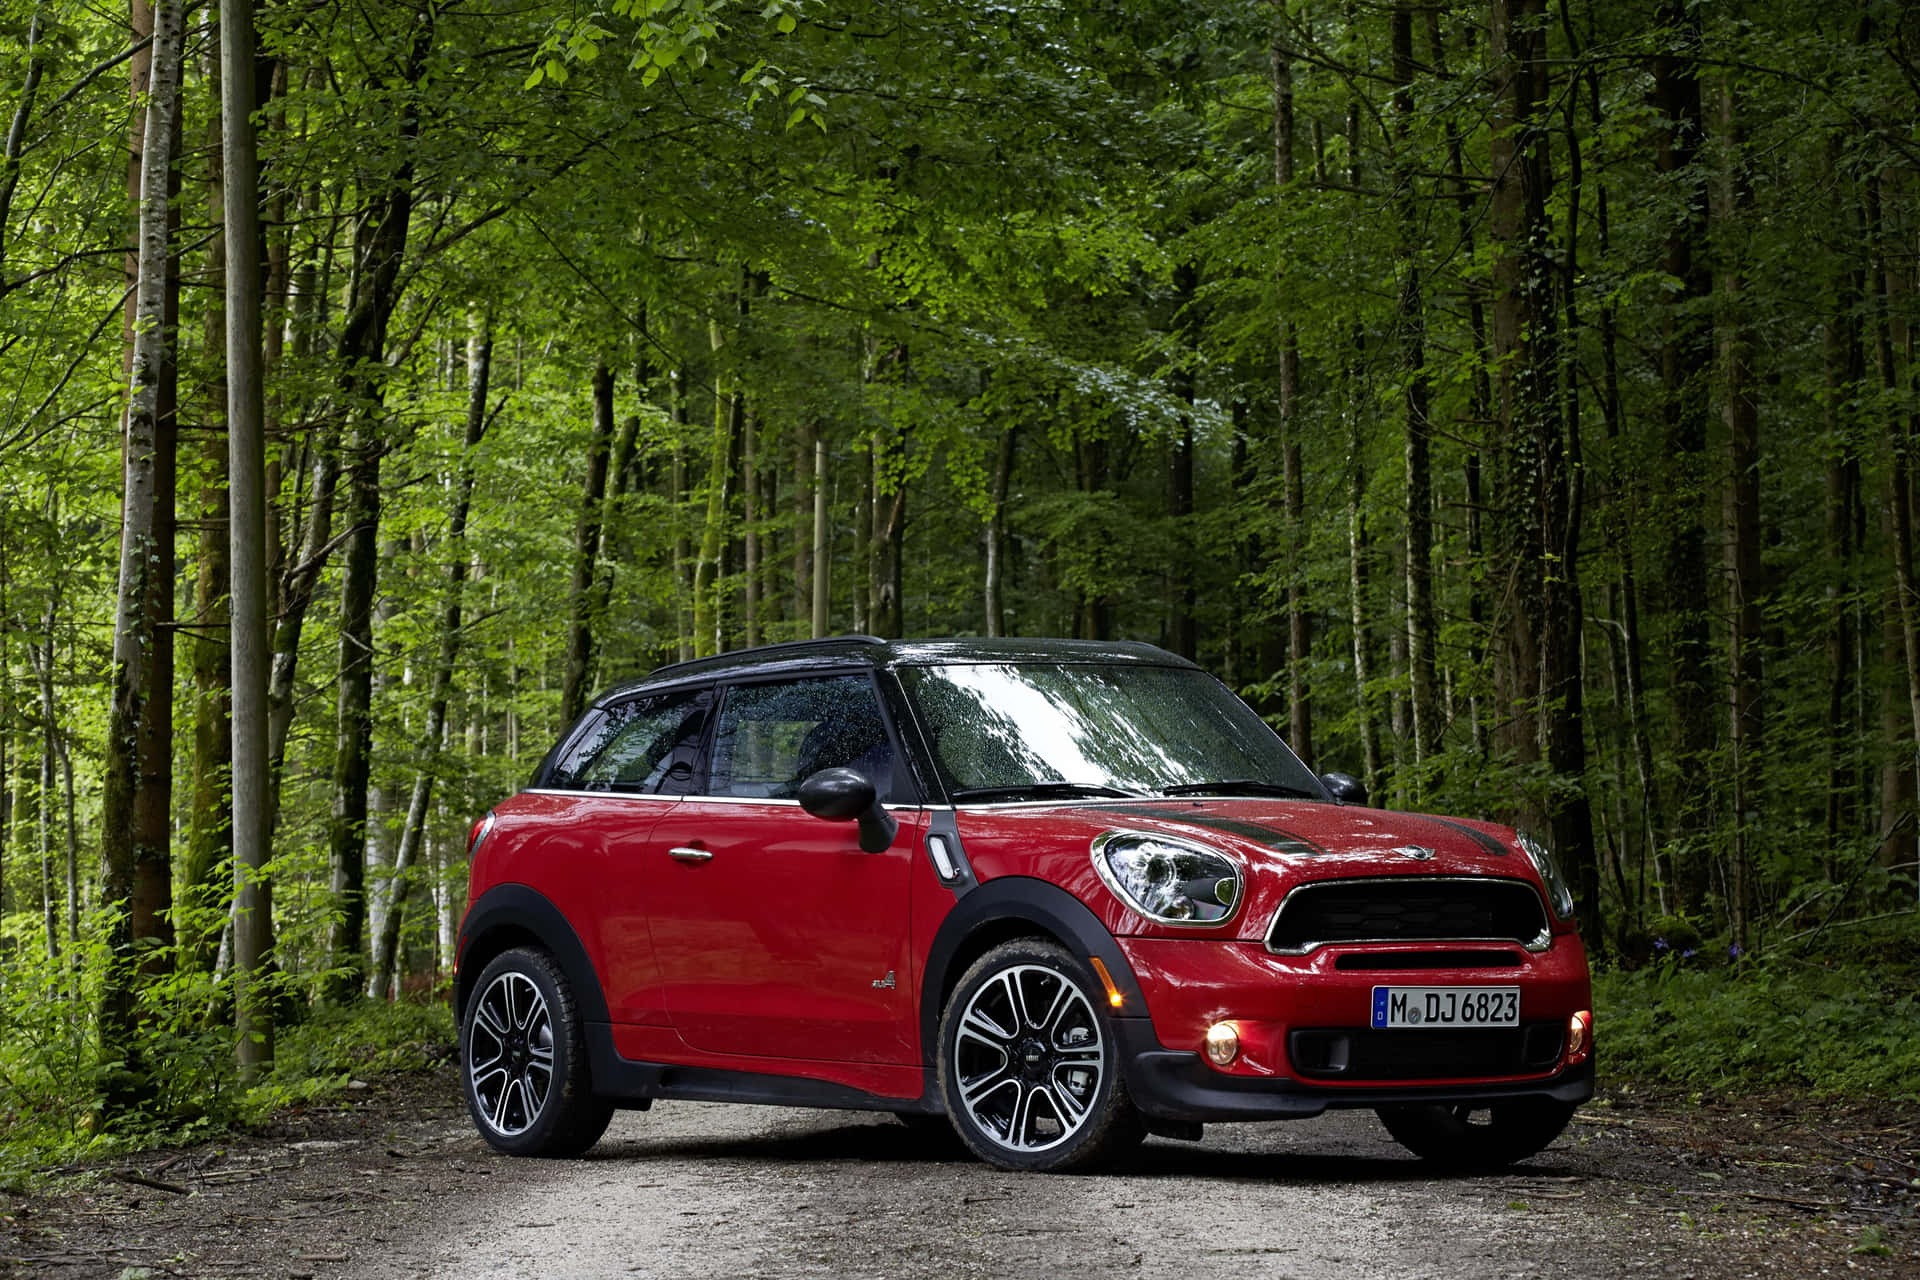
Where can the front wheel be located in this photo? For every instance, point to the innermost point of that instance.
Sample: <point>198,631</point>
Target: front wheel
<point>1465,1139</point>
<point>523,1060</point>
<point>1029,1067</point>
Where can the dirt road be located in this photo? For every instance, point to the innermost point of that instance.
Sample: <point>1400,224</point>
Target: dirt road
<point>400,1187</point>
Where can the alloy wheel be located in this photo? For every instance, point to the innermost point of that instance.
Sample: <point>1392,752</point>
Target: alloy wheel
<point>510,1053</point>
<point>1028,1058</point>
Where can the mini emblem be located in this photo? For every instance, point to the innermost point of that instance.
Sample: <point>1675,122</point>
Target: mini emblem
<point>1415,852</point>
<point>884,984</point>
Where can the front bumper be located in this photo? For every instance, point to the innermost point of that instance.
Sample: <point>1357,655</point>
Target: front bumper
<point>1176,1085</point>
<point>1300,1018</point>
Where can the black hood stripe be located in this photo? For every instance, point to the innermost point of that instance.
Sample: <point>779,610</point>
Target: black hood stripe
<point>1271,837</point>
<point>1480,838</point>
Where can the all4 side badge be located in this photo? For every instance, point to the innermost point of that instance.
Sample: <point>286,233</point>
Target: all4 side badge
<point>884,984</point>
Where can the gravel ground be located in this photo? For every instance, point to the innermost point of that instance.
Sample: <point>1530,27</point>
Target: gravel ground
<point>396,1185</point>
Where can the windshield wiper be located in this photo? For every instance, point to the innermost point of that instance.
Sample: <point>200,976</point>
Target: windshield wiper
<point>1046,791</point>
<point>1238,787</point>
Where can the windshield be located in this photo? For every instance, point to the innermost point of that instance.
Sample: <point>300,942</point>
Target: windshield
<point>1057,729</point>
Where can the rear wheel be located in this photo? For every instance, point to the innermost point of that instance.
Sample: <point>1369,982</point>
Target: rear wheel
<point>1466,1139</point>
<point>1029,1067</point>
<point>523,1059</point>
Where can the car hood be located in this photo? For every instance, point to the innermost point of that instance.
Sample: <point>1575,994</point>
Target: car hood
<point>1281,844</point>
<point>1319,840</point>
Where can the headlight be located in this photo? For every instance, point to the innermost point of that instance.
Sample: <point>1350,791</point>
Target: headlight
<point>1559,892</point>
<point>1166,879</point>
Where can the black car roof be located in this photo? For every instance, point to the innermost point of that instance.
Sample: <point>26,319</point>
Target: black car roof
<point>842,651</point>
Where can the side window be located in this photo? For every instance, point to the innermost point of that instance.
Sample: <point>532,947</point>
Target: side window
<point>644,745</point>
<point>772,737</point>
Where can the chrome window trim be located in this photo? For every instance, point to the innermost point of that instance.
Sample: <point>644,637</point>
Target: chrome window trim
<point>605,795</point>
<point>771,802</point>
<point>1537,944</point>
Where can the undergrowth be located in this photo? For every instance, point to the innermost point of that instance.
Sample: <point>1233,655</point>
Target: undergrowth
<point>51,1117</point>
<point>1842,1020</point>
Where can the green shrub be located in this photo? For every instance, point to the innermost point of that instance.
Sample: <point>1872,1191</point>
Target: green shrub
<point>1839,1029</point>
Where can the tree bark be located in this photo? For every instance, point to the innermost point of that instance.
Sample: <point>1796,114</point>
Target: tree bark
<point>1742,515</point>
<point>1411,324</point>
<point>209,822</point>
<point>586,552</point>
<point>128,861</point>
<point>822,543</point>
<point>994,596</point>
<point>247,542</point>
<point>1685,357</point>
<point>1293,492</point>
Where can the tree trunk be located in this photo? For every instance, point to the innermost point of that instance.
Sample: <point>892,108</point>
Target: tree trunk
<point>728,407</point>
<point>1411,324</point>
<point>209,822</point>
<point>251,829</point>
<point>1742,510</point>
<point>1182,630</point>
<point>995,602</point>
<point>586,552</point>
<point>750,522</point>
<point>128,862</point>
<point>1299,620</point>
<point>440,683</point>
<point>1685,357</point>
<point>822,543</point>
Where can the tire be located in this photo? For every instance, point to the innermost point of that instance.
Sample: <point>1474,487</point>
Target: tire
<point>1028,1063</point>
<point>523,1060</point>
<point>1465,1139</point>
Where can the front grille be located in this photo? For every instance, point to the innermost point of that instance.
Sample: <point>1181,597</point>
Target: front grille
<point>1408,908</point>
<point>1363,1054</point>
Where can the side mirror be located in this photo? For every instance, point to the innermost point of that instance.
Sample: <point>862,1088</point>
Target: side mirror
<point>1345,788</point>
<point>847,795</point>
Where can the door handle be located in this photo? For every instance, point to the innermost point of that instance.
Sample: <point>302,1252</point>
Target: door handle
<point>685,854</point>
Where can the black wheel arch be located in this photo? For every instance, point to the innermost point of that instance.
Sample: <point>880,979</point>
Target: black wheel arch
<point>515,915</point>
<point>1009,907</point>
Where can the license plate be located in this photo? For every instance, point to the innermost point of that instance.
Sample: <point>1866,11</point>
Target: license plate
<point>1446,1007</point>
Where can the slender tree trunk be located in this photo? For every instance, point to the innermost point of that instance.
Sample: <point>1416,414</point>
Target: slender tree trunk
<point>1411,325</point>
<point>708,617</point>
<point>1183,630</point>
<point>1685,357</point>
<point>17,137</point>
<point>246,465</point>
<point>1845,365</point>
<point>750,523</point>
<point>683,563</point>
<point>127,862</point>
<point>822,542</point>
<point>440,683</point>
<point>1742,509</point>
<point>1293,491</point>
<point>586,552</point>
<point>209,823</point>
<point>995,602</point>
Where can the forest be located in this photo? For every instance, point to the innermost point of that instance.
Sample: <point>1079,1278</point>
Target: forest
<point>1515,401</point>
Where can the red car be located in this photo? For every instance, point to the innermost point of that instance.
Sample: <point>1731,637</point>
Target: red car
<point>1062,894</point>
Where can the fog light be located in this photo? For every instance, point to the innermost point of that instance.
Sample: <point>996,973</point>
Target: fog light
<point>1223,1042</point>
<point>1579,1035</point>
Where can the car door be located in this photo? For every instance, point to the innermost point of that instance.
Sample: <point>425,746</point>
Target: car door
<point>776,935</point>
<point>625,772</point>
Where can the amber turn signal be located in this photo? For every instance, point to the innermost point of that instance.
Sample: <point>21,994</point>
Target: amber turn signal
<point>1106,980</point>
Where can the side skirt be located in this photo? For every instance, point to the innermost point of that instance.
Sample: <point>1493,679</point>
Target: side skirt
<point>636,1085</point>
